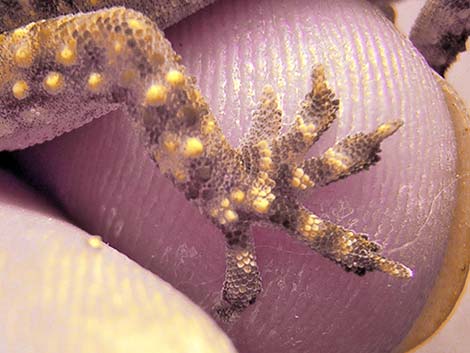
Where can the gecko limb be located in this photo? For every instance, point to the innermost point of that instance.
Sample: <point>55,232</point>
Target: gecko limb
<point>349,156</point>
<point>17,13</point>
<point>317,112</point>
<point>353,251</point>
<point>242,278</point>
<point>55,71</point>
<point>441,31</point>
<point>265,126</point>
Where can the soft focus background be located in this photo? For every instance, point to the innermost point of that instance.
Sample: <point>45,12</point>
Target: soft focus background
<point>453,336</point>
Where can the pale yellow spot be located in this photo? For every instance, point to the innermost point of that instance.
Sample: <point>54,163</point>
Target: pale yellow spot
<point>230,216</point>
<point>95,241</point>
<point>337,159</point>
<point>20,89</point>
<point>20,33</point>
<point>263,144</point>
<point>24,56</point>
<point>214,212</point>
<point>261,205</point>
<point>386,129</point>
<point>208,127</point>
<point>175,78</point>
<point>225,203</point>
<point>193,147</point>
<point>135,24</point>
<point>53,83</point>
<point>95,82</point>
<point>156,95</point>
<point>237,196</point>
<point>298,172</point>
<point>265,163</point>
<point>67,56</point>
<point>295,182</point>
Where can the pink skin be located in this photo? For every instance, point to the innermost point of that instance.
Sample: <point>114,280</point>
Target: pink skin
<point>106,183</point>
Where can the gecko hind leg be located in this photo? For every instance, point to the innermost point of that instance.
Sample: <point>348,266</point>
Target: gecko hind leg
<point>242,282</point>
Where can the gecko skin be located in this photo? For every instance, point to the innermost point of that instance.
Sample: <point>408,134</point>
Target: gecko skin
<point>117,58</point>
<point>441,31</point>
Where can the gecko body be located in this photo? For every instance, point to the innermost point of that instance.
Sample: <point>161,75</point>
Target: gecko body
<point>86,64</point>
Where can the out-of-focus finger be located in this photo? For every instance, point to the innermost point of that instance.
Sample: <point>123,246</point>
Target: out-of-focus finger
<point>64,291</point>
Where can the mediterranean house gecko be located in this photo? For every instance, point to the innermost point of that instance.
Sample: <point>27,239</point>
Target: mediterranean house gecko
<point>117,58</point>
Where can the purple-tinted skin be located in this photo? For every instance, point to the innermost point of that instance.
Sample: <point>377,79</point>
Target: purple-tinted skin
<point>308,304</point>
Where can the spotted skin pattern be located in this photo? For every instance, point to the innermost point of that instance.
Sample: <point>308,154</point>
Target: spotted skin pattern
<point>117,58</point>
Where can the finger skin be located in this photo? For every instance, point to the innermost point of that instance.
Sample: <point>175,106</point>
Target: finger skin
<point>102,177</point>
<point>61,292</point>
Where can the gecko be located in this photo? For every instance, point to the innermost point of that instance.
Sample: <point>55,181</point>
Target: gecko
<point>65,59</point>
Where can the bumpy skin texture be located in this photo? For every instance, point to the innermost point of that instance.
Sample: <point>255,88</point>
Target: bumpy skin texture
<point>441,30</point>
<point>16,13</point>
<point>92,63</point>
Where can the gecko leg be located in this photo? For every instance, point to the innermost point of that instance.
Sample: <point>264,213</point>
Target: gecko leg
<point>441,31</point>
<point>316,113</point>
<point>353,251</point>
<point>242,281</point>
<point>351,155</point>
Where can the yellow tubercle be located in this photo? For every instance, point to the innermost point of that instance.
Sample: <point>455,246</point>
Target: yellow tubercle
<point>265,163</point>
<point>53,83</point>
<point>135,24</point>
<point>214,212</point>
<point>193,147</point>
<point>20,33</point>
<point>237,196</point>
<point>230,216</point>
<point>23,56</point>
<point>156,95</point>
<point>67,56</point>
<point>295,182</point>
<point>208,126</point>
<point>263,144</point>
<point>336,159</point>
<point>175,78</point>
<point>225,203</point>
<point>261,205</point>
<point>301,180</point>
<point>20,89</point>
<point>95,82</point>
<point>298,172</point>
